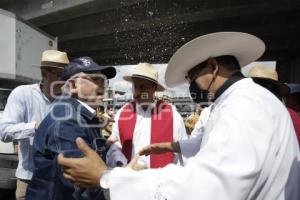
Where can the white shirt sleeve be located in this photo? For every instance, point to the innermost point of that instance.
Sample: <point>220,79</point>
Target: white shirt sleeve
<point>115,155</point>
<point>115,135</point>
<point>190,147</point>
<point>179,133</point>
<point>12,125</point>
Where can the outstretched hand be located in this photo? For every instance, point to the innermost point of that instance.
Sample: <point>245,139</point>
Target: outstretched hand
<point>83,172</point>
<point>160,148</point>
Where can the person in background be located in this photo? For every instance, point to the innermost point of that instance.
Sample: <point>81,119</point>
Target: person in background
<point>166,98</point>
<point>292,100</point>
<point>100,110</point>
<point>192,119</point>
<point>109,114</point>
<point>26,107</point>
<point>268,78</point>
<point>73,115</point>
<point>145,120</point>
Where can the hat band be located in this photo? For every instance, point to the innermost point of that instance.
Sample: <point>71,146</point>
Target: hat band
<point>54,64</point>
<point>145,77</point>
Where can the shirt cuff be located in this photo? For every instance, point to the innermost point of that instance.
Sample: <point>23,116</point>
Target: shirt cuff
<point>189,147</point>
<point>31,126</point>
<point>29,130</point>
<point>104,179</point>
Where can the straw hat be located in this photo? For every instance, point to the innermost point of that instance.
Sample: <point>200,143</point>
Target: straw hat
<point>146,71</point>
<point>244,47</point>
<point>260,72</point>
<point>54,58</point>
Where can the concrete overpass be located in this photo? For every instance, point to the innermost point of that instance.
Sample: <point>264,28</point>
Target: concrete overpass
<point>131,31</point>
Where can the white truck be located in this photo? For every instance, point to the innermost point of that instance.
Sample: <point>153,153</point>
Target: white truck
<point>21,46</point>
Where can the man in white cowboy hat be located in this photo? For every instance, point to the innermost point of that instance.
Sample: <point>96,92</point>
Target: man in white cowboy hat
<point>145,120</point>
<point>248,150</point>
<point>268,78</point>
<point>26,107</point>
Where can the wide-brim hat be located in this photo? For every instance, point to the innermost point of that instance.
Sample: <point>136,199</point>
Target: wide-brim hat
<point>53,58</point>
<point>245,47</point>
<point>261,73</point>
<point>148,72</point>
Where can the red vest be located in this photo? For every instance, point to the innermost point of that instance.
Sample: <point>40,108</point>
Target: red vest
<point>161,131</point>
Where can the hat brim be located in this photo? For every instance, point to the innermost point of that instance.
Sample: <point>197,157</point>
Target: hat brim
<point>282,88</point>
<point>244,47</point>
<point>160,87</point>
<point>109,72</point>
<point>50,66</point>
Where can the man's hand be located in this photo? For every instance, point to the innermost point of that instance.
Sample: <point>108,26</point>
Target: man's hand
<point>160,148</point>
<point>83,172</point>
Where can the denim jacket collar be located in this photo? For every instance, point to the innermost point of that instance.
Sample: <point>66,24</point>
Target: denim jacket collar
<point>78,106</point>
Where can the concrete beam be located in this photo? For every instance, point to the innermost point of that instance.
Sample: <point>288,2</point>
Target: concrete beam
<point>275,36</point>
<point>90,8</point>
<point>207,16</point>
<point>32,9</point>
<point>43,12</point>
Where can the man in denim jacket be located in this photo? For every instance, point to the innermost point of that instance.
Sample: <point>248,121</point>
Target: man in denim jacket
<point>73,115</point>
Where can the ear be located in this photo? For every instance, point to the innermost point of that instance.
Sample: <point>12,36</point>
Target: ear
<point>73,86</point>
<point>214,66</point>
<point>44,73</point>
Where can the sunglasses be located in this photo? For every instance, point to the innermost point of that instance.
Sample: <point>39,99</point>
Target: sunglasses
<point>195,72</point>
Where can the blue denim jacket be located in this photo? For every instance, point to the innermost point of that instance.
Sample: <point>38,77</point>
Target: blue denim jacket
<point>57,134</point>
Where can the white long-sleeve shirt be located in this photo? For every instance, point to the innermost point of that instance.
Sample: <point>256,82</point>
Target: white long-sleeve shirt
<point>249,151</point>
<point>25,106</point>
<point>142,130</point>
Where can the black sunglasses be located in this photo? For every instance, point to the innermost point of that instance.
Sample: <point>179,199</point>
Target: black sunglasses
<point>195,71</point>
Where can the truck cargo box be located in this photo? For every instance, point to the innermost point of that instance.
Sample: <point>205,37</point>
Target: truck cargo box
<point>21,46</point>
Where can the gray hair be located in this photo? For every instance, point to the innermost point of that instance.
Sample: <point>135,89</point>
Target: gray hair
<point>65,89</point>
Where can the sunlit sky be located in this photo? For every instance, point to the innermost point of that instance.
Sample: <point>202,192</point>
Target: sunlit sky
<point>118,83</point>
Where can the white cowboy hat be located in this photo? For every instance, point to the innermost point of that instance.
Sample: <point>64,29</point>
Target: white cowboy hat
<point>146,71</point>
<point>53,58</point>
<point>260,72</point>
<point>244,47</point>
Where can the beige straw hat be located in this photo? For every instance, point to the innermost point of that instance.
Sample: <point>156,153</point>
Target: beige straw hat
<point>260,72</point>
<point>146,71</point>
<point>53,58</point>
